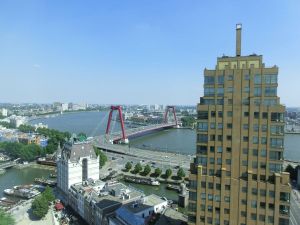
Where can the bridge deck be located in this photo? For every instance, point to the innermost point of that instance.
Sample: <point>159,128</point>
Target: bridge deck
<point>141,130</point>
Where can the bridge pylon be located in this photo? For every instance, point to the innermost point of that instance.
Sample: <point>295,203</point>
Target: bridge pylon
<point>119,109</point>
<point>168,108</point>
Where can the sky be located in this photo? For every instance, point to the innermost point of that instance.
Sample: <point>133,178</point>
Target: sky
<point>138,51</point>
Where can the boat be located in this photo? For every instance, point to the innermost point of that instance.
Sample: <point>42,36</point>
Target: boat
<point>53,175</point>
<point>22,191</point>
<point>46,182</point>
<point>155,183</point>
<point>140,180</point>
<point>46,161</point>
<point>8,191</point>
<point>173,187</point>
<point>5,202</point>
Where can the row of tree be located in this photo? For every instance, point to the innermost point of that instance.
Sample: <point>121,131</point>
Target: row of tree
<point>26,152</point>
<point>188,121</point>
<point>7,125</point>
<point>138,169</point>
<point>101,154</point>
<point>40,205</point>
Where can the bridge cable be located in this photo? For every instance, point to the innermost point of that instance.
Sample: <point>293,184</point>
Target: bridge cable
<point>93,133</point>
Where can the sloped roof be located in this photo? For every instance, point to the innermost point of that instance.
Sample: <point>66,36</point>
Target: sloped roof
<point>79,150</point>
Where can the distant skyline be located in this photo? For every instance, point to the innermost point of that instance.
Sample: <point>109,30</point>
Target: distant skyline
<point>138,52</point>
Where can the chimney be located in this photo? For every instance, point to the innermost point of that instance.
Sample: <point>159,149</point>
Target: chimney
<point>238,39</point>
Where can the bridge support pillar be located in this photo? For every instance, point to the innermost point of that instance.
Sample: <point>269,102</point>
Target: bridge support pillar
<point>168,108</point>
<point>119,109</point>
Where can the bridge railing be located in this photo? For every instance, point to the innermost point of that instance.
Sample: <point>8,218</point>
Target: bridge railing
<point>142,128</point>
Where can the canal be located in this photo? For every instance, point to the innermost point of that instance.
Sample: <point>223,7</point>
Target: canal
<point>14,176</point>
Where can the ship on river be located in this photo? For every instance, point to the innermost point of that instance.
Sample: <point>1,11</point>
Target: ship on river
<point>140,180</point>
<point>22,191</point>
<point>45,182</point>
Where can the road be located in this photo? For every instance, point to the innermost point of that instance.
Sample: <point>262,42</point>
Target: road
<point>163,158</point>
<point>295,208</point>
<point>117,162</point>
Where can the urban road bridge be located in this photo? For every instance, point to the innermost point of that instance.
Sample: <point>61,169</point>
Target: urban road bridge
<point>124,136</point>
<point>107,141</point>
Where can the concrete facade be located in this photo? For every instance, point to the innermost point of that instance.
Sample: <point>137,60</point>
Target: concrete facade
<point>94,201</point>
<point>236,177</point>
<point>138,212</point>
<point>76,163</point>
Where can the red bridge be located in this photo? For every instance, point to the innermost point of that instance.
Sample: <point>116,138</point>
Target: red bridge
<point>123,136</point>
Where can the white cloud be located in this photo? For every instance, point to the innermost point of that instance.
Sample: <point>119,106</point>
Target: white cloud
<point>36,65</point>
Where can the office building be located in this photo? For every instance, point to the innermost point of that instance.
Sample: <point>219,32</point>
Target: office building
<point>236,177</point>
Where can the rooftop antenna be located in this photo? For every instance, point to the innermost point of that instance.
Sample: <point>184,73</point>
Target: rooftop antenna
<point>238,39</point>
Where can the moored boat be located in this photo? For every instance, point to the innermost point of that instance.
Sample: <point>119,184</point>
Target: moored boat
<point>46,182</point>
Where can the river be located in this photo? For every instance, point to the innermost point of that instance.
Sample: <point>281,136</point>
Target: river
<point>175,140</point>
<point>94,123</point>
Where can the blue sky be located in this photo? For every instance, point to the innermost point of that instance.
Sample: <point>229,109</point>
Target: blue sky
<point>143,51</point>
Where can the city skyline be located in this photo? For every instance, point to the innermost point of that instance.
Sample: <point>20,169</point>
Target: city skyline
<point>136,53</point>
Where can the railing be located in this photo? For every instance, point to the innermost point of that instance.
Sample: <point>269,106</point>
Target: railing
<point>141,129</point>
<point>8,164</point>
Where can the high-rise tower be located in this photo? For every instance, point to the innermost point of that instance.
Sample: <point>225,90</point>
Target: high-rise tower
<point>236,177</point>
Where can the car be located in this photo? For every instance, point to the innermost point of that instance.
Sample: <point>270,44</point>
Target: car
<point>176,167</point>
<point>109,169</point>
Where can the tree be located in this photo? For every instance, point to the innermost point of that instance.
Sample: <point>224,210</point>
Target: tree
<point>26,128</point>
<point>7,125</point>
<point>180,173</point>
<point>6,219</point>
<point>40,206</point>
<point>138,168</point>
<point>147,170</point>
<point>103,158</point>
<point>48,194</point>
<point>188,121</point>
<point>128,166</point>
<point>168,173</point>
<point>81,136</point>
<point>293,172</point>
<point>101,154</point>
<point>26,152</point>
<point>157,172</point>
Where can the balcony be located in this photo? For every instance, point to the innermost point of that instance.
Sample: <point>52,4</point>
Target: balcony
<point>284,210</point>
<point>284,197</point>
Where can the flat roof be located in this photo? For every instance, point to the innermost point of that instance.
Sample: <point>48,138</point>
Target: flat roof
<point>144,203</point>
